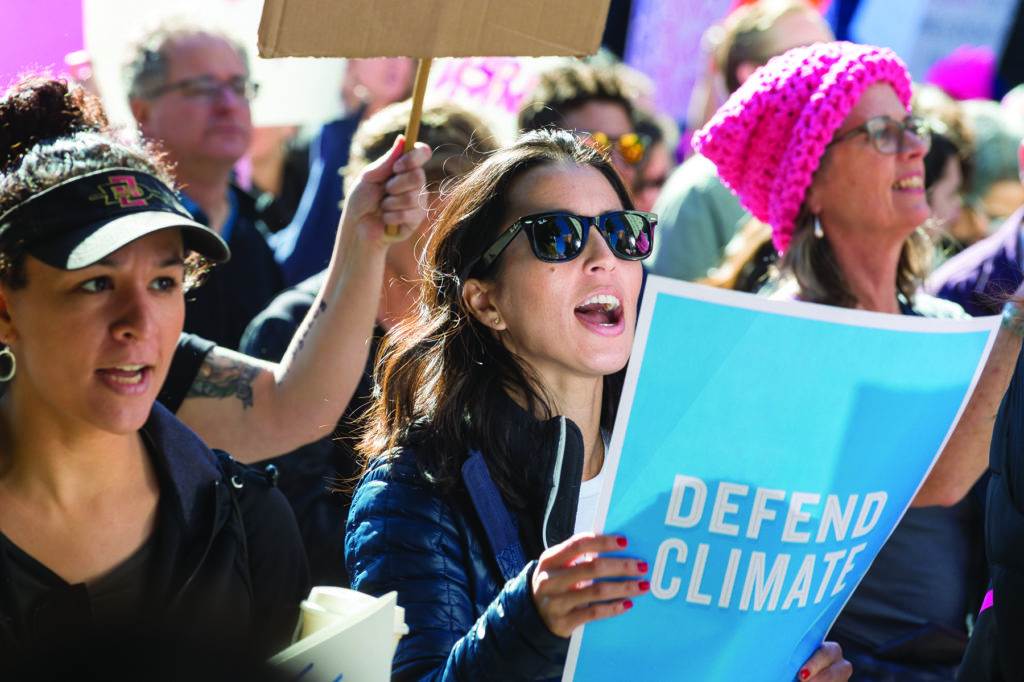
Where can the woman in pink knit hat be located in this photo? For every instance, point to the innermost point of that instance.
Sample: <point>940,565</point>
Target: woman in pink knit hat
<point>820,145</point>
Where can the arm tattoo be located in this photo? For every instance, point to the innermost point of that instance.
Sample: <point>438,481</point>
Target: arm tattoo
<point>316,313</point>
<point>288,356</point>
<point>223,377</point>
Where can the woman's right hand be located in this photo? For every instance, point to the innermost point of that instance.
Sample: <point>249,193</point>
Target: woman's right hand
<point>567,585</point>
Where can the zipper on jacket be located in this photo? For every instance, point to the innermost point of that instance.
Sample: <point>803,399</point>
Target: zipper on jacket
<point>217,524</point>
<point>556,480</point>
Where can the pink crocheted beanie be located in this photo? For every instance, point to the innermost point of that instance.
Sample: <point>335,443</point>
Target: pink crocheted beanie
<point>768,139</point>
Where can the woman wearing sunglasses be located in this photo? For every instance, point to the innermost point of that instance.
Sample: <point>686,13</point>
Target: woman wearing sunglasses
<point>486,441</point>
<point>819,144</point>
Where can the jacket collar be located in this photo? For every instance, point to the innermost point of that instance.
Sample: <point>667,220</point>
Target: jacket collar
<point>552,452</point>
<point>187,467</point>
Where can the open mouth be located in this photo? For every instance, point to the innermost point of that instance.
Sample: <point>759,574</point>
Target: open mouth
<point>126,377</point>
<point>602,310</point>
<point>913,183</point>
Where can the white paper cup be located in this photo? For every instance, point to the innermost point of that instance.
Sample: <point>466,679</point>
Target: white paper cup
<point>314,618</point>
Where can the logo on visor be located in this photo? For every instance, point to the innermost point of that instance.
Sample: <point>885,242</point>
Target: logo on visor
<point>122,190</point>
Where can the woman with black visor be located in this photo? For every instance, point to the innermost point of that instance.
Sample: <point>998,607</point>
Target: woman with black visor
<point>486,441</point>
<point>114,516</point>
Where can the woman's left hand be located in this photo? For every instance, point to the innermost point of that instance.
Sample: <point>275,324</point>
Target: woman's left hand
<point>389,191</point>
<point>826,665</point>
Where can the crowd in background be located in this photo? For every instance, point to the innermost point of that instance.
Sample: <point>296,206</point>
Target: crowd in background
<point>321,348</point>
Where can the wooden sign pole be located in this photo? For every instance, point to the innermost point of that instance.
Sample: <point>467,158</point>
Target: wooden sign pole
<point>412,130</point>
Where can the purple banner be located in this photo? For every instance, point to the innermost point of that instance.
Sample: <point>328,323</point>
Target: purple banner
<point>664,43</point>
<point>38,34</point>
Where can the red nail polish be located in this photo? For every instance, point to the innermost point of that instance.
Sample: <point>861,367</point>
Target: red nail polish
<point>641,566</point>
<point>804,673</point>
<point>621,541</point>
<point>627,605</point>
<point>644,585</point>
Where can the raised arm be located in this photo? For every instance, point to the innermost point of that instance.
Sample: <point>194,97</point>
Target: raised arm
<point>255,409</point>
<point>966,454</point>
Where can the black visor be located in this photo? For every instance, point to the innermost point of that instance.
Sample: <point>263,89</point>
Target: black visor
<point>82,220</point>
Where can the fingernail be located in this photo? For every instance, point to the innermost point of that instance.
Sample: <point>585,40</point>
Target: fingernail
<point>804,673</point>
<point>621,541</point>
<point>627,605</point>
<point>641,566</point>
<point>644,585</point>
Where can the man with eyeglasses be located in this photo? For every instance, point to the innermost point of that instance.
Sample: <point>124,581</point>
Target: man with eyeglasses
<point>189,90</point>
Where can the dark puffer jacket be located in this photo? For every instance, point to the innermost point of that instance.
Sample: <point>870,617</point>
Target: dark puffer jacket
<point>995,652</point>
<point>227,560</point>
<point>460,562</point>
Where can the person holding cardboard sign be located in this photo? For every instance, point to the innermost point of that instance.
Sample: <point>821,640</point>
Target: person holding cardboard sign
<point>485,443</point>
<point>112,512</point>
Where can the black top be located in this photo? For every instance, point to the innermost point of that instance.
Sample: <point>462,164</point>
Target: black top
<point>236,291</point>
<point>110,600</point>
<point>225,564</point>
<point>188,357</point>
<point>913,602</point>
<point>996,653</point>
<point>317,478</point>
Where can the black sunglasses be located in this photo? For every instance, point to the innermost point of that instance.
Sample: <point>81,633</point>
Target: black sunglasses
<point>890,136</point>
<point>558,237</point>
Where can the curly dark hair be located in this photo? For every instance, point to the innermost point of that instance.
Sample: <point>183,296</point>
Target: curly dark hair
<point>52,131</point>
<point>565,88</point>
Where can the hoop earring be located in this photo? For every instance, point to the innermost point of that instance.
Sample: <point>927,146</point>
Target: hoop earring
<point>818,232</point>
<point>8,354</point>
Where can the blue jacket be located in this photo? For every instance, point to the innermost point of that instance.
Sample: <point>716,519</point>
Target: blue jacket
<point>304,247</point>
<point>460,561</point>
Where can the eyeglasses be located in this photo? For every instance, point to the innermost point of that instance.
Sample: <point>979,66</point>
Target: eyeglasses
<point>631,146</point>
<point>210,88</point>
<point>892,137</point>
<point>558,237</point>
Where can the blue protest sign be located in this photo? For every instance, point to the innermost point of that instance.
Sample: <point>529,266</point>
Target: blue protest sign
<point>763,453</point>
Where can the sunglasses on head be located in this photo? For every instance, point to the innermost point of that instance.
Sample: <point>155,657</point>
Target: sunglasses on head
<point>890,136</point>
<point>631,146</point>
<point>558,237</point>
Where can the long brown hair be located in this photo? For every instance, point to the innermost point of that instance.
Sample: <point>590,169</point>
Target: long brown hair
<point>443,379</point>
<point>812,264</point>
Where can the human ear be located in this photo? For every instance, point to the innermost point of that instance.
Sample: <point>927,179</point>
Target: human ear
<point>745,70</point>
<point>478,296</point>
<point>140,111</point>
<point>8,334</point>
<point>813,199</point>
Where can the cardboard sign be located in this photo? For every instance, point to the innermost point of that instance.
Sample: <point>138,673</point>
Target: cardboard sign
<point>430,28</point>
<point>763,453</point>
